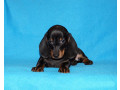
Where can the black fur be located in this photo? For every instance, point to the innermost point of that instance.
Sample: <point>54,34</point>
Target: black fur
<point>59,49</point>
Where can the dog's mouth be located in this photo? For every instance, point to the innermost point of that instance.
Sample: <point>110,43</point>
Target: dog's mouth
<point>56,58</point>
<point>59,56</point>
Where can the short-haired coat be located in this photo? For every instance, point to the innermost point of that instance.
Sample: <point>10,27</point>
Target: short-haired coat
<point>59,49</point>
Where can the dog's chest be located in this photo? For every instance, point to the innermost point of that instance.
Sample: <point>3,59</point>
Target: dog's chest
<point>53,63</point>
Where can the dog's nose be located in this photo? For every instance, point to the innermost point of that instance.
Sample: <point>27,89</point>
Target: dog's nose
<point>55,55</point>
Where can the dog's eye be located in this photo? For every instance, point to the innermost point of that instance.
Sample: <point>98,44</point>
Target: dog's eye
<point>62,41</point>
<point>51,42</point>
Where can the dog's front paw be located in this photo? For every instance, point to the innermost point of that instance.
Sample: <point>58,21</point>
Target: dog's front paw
<point>33,69</point>
<point>37,69</point>
<point>64,70</point>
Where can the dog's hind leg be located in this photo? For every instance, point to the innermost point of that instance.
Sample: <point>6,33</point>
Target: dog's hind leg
<point>82,58</point>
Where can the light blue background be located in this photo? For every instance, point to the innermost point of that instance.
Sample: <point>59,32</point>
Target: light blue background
<point>93,24</point>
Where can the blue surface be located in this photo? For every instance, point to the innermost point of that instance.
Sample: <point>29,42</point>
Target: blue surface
<point>92,24</point>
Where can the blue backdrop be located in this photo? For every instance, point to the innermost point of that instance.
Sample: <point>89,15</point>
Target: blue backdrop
<point>93,24</point>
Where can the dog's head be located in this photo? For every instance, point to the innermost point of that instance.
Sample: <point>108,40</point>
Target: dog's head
<point>58,43</point>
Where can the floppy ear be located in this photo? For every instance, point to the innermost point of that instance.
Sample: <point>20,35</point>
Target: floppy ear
<point>71,47</point>
<point>43,47</point>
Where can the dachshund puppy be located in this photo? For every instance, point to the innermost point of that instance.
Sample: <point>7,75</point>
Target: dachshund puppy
<point>59,49</point>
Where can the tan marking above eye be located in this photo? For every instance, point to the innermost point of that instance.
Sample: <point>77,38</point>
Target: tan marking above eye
<point>60,39</point>
<point>51,39</point>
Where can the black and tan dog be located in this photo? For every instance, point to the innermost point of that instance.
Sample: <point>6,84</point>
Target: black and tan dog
<point>59,49</point>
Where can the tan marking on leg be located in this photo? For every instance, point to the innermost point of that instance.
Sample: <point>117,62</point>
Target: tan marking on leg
<point>41,69</point>
<point>79,56</point>
<point>63,69</point>
<point>85,60</point>
<point>38,69</point>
